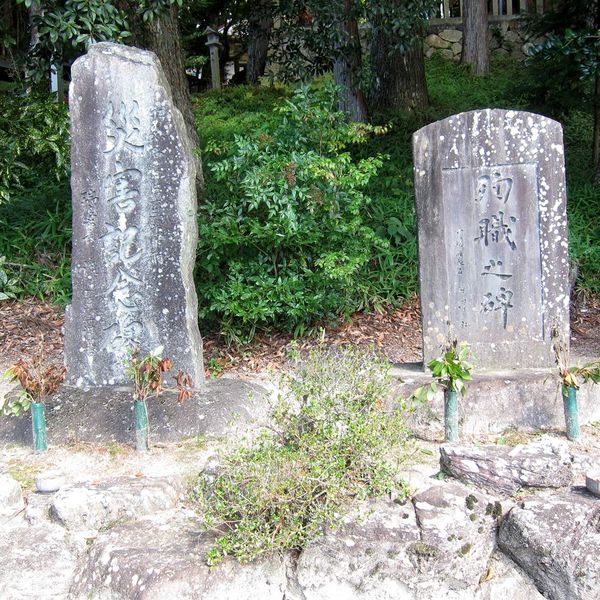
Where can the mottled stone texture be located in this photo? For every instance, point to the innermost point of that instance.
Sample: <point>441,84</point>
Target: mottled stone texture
<point>134,219</point>
<point>493,249</point>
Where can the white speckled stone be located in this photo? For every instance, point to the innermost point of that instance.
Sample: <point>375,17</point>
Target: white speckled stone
<point>493,243</point>
<point>134,219</point>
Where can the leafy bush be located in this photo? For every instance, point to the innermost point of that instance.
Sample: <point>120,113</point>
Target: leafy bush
<point>282,225</point>
<point>331,440</point>
<point>34,136</point>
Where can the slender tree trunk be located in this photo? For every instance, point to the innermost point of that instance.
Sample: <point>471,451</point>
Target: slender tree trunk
<point>398,77</point>
<point>596,105</point>
<point>347,68</point>
<point>161,35</point>
<point>259,32</point>
<point>476,36</point>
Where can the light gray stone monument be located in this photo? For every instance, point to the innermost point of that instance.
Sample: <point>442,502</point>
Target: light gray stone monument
<point>492,226</point>
<point>134,219</point>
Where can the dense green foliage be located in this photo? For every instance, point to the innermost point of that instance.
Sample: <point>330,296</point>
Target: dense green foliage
<point>236,282</point>
<point>35,208</point>
<point>66,28</point>
<point>34,137</point>
<point>282,225</point>
<point>330,441</point>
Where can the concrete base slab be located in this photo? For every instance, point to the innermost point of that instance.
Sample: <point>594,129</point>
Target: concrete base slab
<point>524,399</point>
<point>103,415</point>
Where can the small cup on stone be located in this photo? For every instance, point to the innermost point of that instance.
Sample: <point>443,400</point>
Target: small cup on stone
<point>49,482</point>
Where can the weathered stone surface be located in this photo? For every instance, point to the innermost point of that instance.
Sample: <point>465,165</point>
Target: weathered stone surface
<point>493,248</point>
<point>37,563</point>
<point>163,556</point>
<point>134,219</point>
<point>461,524</point>
<point>546,463</point>
<point>451,35</point>
<point>592,483</point>
<point>504,580</point>
<point>114,501</point>
<point>556,541</point>
<point>435,41</point>
<point>438,547</point>
<point>456,48</point>
<point>225,406</point>
<point>11,499</point>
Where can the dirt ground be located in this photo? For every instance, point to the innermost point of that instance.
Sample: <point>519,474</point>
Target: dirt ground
<point>396,334</point>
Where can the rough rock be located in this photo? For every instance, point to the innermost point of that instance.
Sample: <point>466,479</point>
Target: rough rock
<point>451,35</point>
<point>162,556</point>
<point>456,48</point>
<point>556,541</point>
<point>114,501</point>
<point>435,41</point>
<point>592,483</point>
<point>36,563</point>
<point>504,580</point>
<point>11,499</point>
<point>546,463</point>
<point>461,525</point>
<point>438,547</point>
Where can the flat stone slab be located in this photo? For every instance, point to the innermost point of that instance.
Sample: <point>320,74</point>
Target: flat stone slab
<point>162,556</point>
<point>546,463</point>
<point>556,541</point>
<point>114,501</point>
<point>103,415</point>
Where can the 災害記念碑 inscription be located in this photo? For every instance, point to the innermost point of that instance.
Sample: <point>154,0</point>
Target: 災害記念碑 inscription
<point>134,227</point>
<point>491,205</point>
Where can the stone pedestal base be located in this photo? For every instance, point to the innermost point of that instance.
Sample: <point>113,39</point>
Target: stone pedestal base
<point>525,399</point>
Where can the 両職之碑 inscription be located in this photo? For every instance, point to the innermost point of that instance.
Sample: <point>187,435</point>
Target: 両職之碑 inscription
<point>497,269</point>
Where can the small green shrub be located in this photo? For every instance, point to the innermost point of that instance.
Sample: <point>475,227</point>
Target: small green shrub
<point>330,441</point>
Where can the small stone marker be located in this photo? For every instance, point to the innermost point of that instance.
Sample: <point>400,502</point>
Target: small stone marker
<point>493,247</point>
<point>134,219</point>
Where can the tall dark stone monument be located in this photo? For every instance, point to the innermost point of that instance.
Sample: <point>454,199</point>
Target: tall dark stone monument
<point>493,244</point>
<point>134,219</point>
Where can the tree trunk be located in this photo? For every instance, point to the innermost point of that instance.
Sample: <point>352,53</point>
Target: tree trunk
<point>347,68</point>
<point>259,31</point>
<point>596,109</point>
<point>476,37</point>
<point>161,35</point>
<point>398,77</point>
